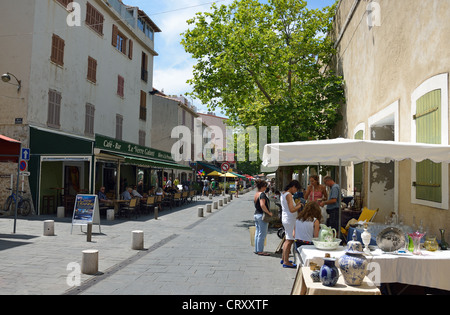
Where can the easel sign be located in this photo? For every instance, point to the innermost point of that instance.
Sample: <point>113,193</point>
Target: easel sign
<point>86,210</point>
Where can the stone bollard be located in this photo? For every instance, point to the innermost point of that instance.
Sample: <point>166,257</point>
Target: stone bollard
<point>156,212</point>
<point>89,232</point>
<point>137,241</point>
<point>221,202</point>
<point>229,199</point>
<point>200,212</point>
<point>110,215</point>
<point>209,208</point>
<point>89,262</point>
<point>216,205</point>
<point>210,196</point>
<point>225,200</point>
<point>49,228</point>
<point>61,212</point>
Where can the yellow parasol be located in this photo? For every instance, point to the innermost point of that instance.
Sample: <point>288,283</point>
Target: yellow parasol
<point>215,173</point>
<point>228,175</point>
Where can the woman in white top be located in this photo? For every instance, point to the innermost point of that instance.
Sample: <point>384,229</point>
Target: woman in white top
<point>288,217</point>
<point>307,225</point>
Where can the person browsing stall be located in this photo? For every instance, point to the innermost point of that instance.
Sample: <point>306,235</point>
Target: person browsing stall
<point>288,217</point>
<point>332,203</point>
<point>261,206</point>
<point>307,225</point>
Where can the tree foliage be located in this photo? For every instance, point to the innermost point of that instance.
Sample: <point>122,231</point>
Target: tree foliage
<point>265,65</point>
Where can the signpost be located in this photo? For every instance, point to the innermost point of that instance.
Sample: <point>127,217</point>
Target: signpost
<point>225,167</point>
<point>86,210</point>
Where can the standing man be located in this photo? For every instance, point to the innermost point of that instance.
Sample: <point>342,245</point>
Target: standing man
<point>332,203</point>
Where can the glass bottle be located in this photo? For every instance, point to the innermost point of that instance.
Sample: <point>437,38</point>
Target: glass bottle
<point>444,244</point>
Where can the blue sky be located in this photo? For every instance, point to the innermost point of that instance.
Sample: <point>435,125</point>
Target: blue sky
<point>173,66</point>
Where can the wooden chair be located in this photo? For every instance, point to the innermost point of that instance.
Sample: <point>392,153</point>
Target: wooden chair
<point>150,204</point>
<point>366,215</point>
<point>167,200</point>
<point>185,196</point>
<point>177,199</point>
<point>129,208</point>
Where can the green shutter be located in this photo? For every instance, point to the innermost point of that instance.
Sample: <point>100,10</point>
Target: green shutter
<point>428,130</point>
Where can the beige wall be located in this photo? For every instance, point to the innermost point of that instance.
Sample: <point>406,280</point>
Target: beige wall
<point>382,67</point>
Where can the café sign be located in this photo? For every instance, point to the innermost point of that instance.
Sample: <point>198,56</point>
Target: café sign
<point>114,145</point>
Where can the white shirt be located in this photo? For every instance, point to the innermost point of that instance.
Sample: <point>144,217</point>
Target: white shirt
<point>286,215</point>
<point>304,230</point>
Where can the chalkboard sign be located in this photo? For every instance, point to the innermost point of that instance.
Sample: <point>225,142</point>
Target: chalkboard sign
<point>86,210</point>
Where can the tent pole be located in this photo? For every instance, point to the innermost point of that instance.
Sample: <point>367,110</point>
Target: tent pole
<point>339,197</point>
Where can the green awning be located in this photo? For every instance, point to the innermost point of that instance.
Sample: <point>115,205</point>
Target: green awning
<point>153,163</point>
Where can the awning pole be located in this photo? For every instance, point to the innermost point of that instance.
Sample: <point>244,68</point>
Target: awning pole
<point>17,188</point>
<point>339,197</point>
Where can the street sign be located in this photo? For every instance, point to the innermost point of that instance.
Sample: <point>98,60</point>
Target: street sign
<point>225,167</point>
<point>25,154</point>
<point>23,166</point>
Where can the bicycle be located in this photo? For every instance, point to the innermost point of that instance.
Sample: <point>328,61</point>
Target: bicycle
<point>23,204</point>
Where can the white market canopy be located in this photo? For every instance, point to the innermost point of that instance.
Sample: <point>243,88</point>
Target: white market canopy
<point>344,151</point>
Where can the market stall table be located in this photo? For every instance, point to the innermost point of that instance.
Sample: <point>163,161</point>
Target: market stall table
<point>305,286</point>
<point>431,269</point>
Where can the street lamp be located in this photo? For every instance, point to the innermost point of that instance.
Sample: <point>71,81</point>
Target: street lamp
<point>7,77</point>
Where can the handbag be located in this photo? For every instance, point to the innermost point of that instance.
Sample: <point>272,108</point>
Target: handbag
<point>266,218</point>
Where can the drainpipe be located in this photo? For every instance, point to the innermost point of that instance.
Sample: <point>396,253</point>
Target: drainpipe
<point>347,21</point>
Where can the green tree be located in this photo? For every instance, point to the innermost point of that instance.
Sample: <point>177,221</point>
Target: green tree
<point>265,65</point>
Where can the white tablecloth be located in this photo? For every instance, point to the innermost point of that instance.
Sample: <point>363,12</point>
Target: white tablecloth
<point>432,269</point>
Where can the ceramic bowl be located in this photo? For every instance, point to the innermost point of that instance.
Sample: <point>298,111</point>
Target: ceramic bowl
<point>326,245</point>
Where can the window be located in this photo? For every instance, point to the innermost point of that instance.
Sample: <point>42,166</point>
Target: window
<point>429,106</point>
<point>65,3</point>
<point>94,19</point>
<point>145,28</point>
<point>54,109</point>
<point>57,50</point>
<point>120,86</point>
<point>92,70</point>
<point>144,67</point>
<point>428,130</point>
<point>89,120</point>
<point>119,41</point>
<point>143,106</point>
<point>119,126</point>
<point>142,138</point>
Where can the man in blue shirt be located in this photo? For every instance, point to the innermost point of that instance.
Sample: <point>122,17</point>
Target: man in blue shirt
<point>332,203</point>
<point>126,195</point>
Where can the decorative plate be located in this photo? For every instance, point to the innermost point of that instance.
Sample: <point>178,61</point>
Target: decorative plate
<point>391,239</point>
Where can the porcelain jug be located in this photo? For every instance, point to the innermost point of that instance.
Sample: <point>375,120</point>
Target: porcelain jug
<point>353,264</point>
<point>326,234</point>
<point>329,274</point>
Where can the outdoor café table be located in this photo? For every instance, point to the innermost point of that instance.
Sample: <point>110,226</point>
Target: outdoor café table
<point>431,269</point>
<point>305,286</point>
<point>117,203</point>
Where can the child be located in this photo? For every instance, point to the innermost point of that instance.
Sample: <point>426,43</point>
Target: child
<point>307,225</point>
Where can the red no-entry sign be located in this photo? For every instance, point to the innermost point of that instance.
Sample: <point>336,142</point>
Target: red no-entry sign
<point>225,167</point>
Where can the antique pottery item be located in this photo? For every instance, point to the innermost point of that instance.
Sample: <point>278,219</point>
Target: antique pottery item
<point>391,239</point>
<point>326,234</point>
<point>315,274</point>
<point>331,245</point>
<point>353,264</point>
<point>431,244</point>
<point>329,274</point>
<point>416,237</point>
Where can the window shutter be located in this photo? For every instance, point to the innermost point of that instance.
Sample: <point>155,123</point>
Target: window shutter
<point>130,50</point>
<point>428,130</point>
<point>115,32</point>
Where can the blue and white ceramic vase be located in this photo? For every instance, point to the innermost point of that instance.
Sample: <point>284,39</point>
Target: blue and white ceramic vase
<point>329,274</point>
<point>353,264</point>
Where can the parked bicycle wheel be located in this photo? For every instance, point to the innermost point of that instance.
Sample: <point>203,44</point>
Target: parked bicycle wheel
<point>25,207</point>
<point>9,203</point>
